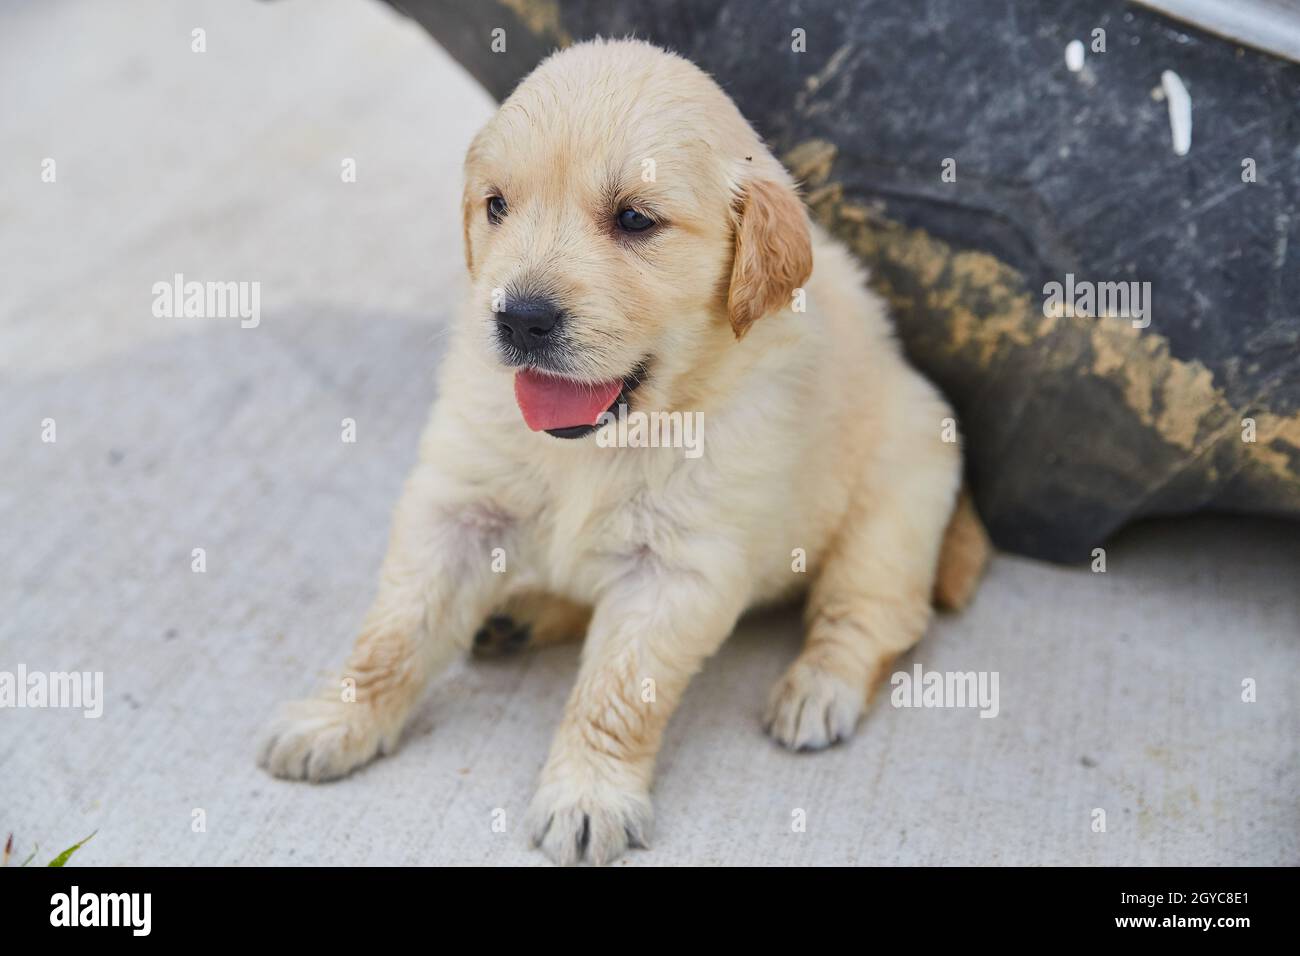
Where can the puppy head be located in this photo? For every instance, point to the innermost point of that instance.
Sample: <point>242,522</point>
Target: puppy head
<point>624,225</point>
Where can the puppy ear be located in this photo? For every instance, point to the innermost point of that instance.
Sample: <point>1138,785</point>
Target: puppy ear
<point>467,210</point>
<point>773,254</point>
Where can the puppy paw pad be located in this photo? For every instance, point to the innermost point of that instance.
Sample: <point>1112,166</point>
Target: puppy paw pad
<point>501,635</point>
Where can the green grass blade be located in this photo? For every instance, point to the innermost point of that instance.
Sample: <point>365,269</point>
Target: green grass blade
<point>62,858</point>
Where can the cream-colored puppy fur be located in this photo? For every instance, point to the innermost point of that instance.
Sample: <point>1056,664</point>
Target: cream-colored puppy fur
<point>819,439</point>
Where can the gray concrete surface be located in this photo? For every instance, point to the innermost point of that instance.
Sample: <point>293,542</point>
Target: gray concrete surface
<point>1120,691</point>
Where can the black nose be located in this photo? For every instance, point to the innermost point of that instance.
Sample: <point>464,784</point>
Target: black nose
<point>527,322</point>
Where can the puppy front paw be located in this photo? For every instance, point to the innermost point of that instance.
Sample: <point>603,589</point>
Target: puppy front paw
<point>321,739</point>
<point>811,708</point>
<point>571,822</point>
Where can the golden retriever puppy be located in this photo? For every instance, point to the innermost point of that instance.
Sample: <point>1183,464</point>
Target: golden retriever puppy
<point>633,248</point>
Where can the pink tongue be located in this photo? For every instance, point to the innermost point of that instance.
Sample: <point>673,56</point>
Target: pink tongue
<point>549,402</point>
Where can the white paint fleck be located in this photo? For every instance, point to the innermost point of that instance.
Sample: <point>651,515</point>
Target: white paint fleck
<point>1180,111</point>
<point>1074,56</point>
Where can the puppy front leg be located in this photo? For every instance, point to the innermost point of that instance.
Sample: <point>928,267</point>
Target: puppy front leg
<point>871,600</point>
<point>648,636</point>
<point>437,584</point>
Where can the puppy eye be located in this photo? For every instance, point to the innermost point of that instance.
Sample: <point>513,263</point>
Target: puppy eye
<point>631,220</point>
<point>496,209</point>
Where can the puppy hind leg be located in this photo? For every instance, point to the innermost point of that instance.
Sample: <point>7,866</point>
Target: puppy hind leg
<point>963,557</point>
<point>530,620</point>
<point>871,603</point>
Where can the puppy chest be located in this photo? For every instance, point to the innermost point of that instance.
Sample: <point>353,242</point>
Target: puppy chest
<point>576,546</point>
